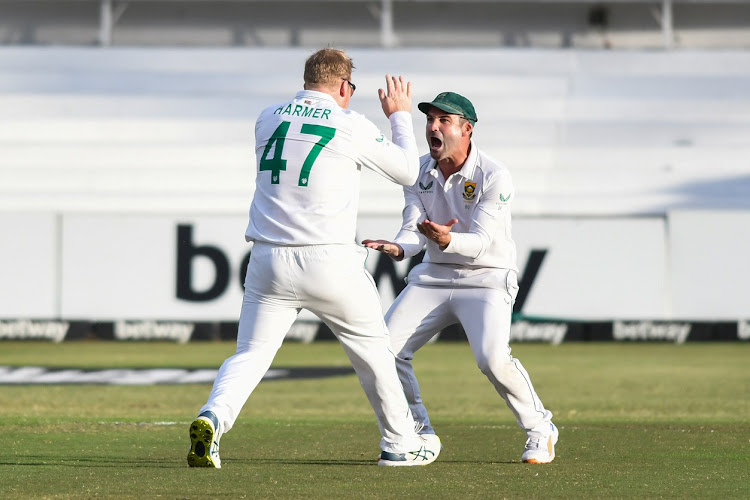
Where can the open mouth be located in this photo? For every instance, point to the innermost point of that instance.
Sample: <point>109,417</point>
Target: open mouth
<point>435,143</point>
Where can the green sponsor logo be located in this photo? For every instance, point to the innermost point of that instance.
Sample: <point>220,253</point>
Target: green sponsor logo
<point>504,198</point>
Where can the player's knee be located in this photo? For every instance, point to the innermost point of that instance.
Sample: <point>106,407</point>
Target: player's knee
<point>493,363</point>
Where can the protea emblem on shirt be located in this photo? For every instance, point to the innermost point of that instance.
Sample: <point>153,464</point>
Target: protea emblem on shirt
<point>425,188</point>
<point>469,190</point>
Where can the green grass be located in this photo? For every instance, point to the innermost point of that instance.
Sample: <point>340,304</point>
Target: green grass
<point>636,421</point>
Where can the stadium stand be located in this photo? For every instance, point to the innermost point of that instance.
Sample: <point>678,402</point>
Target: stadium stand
<point>169,129</point>
<point>384,23</point>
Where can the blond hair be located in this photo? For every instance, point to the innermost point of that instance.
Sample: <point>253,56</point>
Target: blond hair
<point>327,67</point>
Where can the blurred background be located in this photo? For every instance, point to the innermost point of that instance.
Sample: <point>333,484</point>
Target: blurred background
<point>127,157</point>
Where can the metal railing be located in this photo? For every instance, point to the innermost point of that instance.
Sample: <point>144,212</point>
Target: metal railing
<point>110,12</point>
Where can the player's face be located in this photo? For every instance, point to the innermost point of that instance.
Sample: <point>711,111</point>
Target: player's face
<point>447,137</point>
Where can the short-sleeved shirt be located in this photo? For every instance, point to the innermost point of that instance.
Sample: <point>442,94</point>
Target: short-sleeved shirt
<point>309,154</point>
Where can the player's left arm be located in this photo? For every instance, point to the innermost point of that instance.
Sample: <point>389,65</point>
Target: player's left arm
<point>486,219</point>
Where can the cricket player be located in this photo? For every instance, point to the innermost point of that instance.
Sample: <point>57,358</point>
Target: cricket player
<point>459,208</point>
<point>310,151</point>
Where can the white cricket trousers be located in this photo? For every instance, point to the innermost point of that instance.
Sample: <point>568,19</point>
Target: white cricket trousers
<point>331,282</point>
<point>420,312</point>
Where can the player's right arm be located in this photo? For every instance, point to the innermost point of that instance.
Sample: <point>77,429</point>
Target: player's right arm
<point>397,159</point>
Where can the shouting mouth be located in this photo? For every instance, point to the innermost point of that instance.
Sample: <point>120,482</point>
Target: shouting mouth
<point>435,143</point>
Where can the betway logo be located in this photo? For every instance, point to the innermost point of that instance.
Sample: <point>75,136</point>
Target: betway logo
<point>385,270</point>
<point>151,330</point>
<point>646,330</point>
<point>554,333</point>
<point>24,329</point>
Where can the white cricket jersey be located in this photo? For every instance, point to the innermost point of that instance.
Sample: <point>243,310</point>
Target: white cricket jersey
<point>309,155</point>
<point>479,196</point>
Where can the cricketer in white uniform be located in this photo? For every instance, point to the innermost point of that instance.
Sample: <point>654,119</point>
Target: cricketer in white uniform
<point>310,152</point>
<point>459,208</point>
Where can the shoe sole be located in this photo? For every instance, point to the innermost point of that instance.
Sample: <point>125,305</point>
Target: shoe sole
<point>551,442</point>
<point>201,437</point>
<point>404,463</point>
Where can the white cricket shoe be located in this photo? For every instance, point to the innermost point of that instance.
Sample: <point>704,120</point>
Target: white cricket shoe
<point>205,433</point>
<point>540,445</point>
<point>426,454</point>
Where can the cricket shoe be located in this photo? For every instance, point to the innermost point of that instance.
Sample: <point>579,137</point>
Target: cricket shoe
<point>426,454</point>
<point>205,433</point>
<point>540,445</point>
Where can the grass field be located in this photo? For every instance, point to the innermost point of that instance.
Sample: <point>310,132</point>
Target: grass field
<point>636,421</point>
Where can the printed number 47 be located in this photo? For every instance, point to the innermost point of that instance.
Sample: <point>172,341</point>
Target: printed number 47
<point>277,164</point>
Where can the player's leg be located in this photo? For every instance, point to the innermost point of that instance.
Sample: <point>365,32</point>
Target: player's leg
<point>342,293</point>
<point>262,329</point>
<point>485,315</point>
<point>413,319</point>
<point>266,316</point>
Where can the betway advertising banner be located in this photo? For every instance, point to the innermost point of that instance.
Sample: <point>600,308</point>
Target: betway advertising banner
<point>192,268</point>
<point>180,277</point>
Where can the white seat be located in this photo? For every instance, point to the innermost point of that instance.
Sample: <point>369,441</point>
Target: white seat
<point>171,130</point>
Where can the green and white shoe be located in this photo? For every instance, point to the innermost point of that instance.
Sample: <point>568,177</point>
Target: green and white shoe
<point>425,455</point>
<point>205,433</point>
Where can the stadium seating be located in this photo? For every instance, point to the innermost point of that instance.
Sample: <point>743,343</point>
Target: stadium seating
<point>171,130</point>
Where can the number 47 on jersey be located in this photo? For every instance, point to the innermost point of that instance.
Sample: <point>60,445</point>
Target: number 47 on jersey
<point>276,164</point>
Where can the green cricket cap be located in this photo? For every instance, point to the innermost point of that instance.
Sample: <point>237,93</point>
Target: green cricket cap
<point>452,103</point>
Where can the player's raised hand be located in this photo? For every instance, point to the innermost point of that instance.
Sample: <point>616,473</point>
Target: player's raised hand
<point>396,96</point>
<point>391,249</point>
<point>439,233</point>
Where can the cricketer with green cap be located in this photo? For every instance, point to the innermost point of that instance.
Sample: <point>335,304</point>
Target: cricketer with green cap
<point>459,212</point>
<point>452,103</point>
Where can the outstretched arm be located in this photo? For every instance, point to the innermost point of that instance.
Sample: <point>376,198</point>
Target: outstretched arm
<point>391,249</point>
<point>397,159</point>
<point>396,96</point>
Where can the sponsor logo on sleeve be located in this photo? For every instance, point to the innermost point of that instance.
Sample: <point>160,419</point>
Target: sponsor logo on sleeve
<point>427,188</point>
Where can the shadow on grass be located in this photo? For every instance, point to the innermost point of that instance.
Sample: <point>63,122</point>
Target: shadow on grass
<point>32,461</point>
<point>36,461</point>
<point>45,461</point>
<point>374,461</point>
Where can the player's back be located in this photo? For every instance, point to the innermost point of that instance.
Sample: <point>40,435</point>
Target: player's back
<point>307,186</point>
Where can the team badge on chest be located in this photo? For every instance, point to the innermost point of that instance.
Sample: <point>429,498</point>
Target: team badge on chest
<point>470,189</point>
